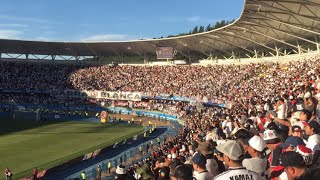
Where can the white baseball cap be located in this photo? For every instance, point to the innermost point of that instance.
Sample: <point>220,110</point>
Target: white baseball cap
<point>232,149</point>
<point>269,136</point>
<point>257,143</point>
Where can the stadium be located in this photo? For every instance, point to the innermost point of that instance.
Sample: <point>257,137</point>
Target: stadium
<point>236,102</point>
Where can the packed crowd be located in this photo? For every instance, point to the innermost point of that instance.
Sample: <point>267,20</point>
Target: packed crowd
<point>217,145</point>
<point>271,131</point>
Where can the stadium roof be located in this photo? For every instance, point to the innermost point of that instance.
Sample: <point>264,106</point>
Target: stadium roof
<point>265,27</point>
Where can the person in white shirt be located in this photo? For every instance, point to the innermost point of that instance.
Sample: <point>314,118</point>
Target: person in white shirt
<point>281,109</point>
<point>312,129</point>
<point>233,154</point>
<point>227,126</point>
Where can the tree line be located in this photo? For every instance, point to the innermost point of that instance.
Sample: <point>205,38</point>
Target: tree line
<point>209,27</point>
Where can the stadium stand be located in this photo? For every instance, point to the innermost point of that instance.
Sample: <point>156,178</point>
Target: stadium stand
<point>252,120</point>
<point>254,91</point>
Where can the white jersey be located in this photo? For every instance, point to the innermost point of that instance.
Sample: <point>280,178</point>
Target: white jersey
<point>237,174</point>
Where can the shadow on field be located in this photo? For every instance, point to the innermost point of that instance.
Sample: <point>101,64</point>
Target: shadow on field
<point>10,125</point>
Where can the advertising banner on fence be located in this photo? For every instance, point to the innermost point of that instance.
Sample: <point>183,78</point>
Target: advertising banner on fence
<point>118,95</point>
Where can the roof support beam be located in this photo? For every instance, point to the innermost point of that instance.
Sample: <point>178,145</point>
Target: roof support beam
<point>270,37</point>
<point>45,57</point>
<point>294,26</point>
<point>62,57</point>
<point>217,48</point>
<point>35,56</point>
<point>295,2</point>
<point>217,38</point>
<point>94,52</point>
<point>247,39</point>
<point>273,28</point>
<point>193,45</point>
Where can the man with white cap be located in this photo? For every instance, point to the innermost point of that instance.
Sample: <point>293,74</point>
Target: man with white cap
<point>258,162</point>
<point>273,143</point>
<point>233,154</point>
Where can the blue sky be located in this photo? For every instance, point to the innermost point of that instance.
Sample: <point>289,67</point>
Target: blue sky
<point>109,20</point>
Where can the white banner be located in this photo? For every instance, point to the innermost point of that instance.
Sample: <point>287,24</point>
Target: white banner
<point>128,96</point>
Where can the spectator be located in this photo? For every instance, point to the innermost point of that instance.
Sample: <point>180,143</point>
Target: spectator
<point>211,163</point>
<point>199,165</point>
<point>99,172</point>
<point>121,173</point>
<point>233,156</point>
<point>297,131</point>
<point>312,129</point>
<point>273,144</point>
<point>183,172</point>
<point>8,174</point>
<point>83,175</point>
<point>310,174</point>
<point>258,162</point>
<point>35,174</point>
<point>293,164</point>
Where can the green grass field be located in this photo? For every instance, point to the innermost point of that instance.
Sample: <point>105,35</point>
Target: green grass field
<point>25,145</point>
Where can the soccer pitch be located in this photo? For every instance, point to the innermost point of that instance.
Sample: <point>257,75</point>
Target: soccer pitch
<point>45,145</point>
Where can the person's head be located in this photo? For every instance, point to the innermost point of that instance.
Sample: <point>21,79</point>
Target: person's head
<point>164,173</point>
<point>183,172</point>
<point>310,174</point>
<point>307,96</point>
<point>160,162</point>
<point>291,143</point>
<point>297,131</point>
<point>120,172</point>
<point>271,138</point>
<point>233,153</point>
<point>244,142</point>
<point>242,133</point>
<point>311,128</point>
<point>272,126</point>
<point>305,115</point>
<point>205,149</point>
<point>280,101</point>
<point>293,164</point>
<point>257,146</point>
<point>199,162</point>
